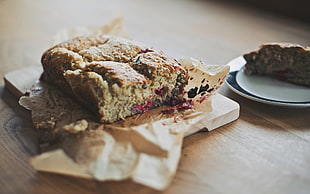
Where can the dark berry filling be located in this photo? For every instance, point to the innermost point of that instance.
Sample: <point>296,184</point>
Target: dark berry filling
<point>145,51</point>
<point>192,92</point>
<point>283,75</point>
<point>142,108</point>
<point>161,91</point>
<point>181,106</point>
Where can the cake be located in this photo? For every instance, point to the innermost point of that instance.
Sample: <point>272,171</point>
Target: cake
<point>283,61</point>
<point>114,77</point>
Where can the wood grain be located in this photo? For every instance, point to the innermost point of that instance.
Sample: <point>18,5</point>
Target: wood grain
<point>265,151</point>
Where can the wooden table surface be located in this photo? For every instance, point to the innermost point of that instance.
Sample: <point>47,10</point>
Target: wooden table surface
<point>267,150</point>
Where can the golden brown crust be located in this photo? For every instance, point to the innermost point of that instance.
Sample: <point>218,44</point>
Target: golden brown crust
<point>79,43</point>
<point>111,75</point>
<point>115,72</point>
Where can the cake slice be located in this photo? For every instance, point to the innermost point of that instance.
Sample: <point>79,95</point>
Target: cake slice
<point>114,77</point>
<point>286,62</point>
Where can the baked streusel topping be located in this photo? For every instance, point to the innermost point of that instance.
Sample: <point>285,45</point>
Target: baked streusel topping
<point>114,77</point>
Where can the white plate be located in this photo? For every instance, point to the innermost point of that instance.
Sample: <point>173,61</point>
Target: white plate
<point>265,89</point>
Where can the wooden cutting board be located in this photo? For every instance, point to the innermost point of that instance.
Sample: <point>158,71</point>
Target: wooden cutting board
<point>224,110</point>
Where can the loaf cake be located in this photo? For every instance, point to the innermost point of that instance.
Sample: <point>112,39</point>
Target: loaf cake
<point>283,61</point>
<point>114,77</point>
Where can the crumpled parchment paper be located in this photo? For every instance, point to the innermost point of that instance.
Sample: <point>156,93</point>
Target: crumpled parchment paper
<point>145,148</point>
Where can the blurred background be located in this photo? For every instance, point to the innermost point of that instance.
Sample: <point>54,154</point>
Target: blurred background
<point>214,31</point>
<point>297,9</point>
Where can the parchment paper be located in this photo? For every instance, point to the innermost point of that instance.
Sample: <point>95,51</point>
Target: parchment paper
<point>145,148</point>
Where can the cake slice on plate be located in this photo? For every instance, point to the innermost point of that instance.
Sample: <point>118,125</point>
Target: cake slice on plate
<point>283,61</point>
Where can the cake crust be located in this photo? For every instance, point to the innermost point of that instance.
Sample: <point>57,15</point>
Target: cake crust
<point>112,76</point>
<point>284,61</point>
